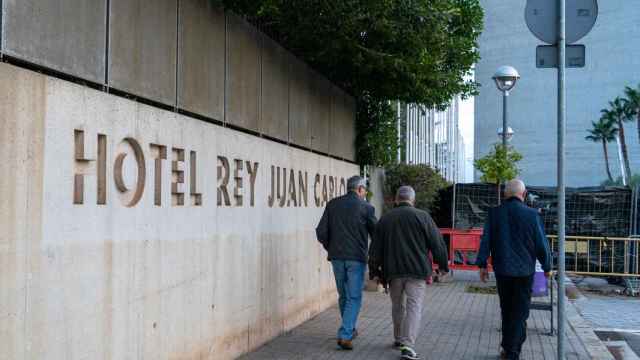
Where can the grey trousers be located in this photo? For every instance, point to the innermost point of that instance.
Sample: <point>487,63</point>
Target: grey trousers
<point>407,297</point>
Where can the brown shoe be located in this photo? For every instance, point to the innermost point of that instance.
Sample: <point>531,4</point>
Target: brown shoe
<point>503,355</point>
<point>345,344</point>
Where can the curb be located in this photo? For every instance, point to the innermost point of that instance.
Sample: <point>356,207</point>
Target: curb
<point>586,334</point>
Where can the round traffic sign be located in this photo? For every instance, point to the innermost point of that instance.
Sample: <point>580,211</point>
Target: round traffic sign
<point>542,19</point>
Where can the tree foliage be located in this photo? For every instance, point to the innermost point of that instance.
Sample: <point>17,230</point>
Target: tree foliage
<point>378,50</point>
<point>377,136</point>
<point>500,165</point>
<point>618,113</point>
<point>603,132</point>
<point>426,181</point>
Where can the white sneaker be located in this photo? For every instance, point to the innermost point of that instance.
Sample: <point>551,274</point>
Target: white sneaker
<point>408,353</point>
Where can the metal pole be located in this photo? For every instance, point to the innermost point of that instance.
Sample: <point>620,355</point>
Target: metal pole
<point>505,96</point>
<point>561,181</point>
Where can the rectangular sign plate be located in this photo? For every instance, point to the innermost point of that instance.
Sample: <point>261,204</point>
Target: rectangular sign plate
<point>547,56</point>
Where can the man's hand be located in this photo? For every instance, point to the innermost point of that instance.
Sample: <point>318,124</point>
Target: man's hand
<point>484,275</point>
<point>548,274</point>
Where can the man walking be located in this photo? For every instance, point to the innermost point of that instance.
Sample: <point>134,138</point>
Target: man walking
<point>404,237</point>
<point>344,232</point>
<point>514,238</point>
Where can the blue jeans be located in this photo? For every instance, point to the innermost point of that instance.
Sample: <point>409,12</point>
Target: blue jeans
<point>349,282</point>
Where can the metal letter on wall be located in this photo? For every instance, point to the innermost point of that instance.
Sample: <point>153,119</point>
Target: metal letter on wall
<point>82,168</point>
<point>131,197</point>
<point>196,197</point>
<point>177,177</point>
<point>223,181</point>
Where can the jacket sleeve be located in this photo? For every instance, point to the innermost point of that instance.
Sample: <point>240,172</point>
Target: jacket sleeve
<point>485,244</point>
<point>376,251</point>
<point>436,244</point>
<point>371,221</point>
<point>322,231</point>
<point>543,254</point>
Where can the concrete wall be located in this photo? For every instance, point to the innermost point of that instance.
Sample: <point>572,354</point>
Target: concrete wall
<point>274,94</point>
<point>201,61</point>
<point>65,35</point>
<point>183,54</point>
<point>93,267</point>
<point>142,48</point>
<point>613,62</point>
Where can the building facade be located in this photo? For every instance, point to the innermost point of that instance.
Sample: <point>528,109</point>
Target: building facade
<point>432,137</point>
<point>612,62</point>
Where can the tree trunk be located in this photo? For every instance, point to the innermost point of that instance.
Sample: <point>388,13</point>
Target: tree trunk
<point>606,160</point>
<point>625,155</point>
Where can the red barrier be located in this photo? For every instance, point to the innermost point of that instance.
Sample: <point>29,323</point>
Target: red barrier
<point>463,247</point>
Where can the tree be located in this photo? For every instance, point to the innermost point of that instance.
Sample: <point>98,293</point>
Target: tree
<point>603,131</point>
<point>377,138</point>
<point>632,102</point>
<point>378,50</point>
<point>500,165</point>
<point>618,113</point>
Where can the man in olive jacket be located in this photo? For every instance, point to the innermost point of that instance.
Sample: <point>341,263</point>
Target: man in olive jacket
<point>404,237</point>
<point>344,232</point>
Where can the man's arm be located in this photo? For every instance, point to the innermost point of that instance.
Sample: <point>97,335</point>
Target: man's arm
<point>485,245</point>
<point>436,244</point>
<point>543,254</point>
<point>322,231</point>
<point>485,250</point>
<point>371,221</point>
<point>376,254</point>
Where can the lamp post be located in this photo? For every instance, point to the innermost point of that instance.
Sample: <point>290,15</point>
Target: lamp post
<point>509,134</point>
<point>505,78</point>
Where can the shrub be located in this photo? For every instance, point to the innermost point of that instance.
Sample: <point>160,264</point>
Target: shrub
<point>426,181</point>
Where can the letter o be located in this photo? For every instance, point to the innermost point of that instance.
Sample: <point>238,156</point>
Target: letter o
<point>142,172</point>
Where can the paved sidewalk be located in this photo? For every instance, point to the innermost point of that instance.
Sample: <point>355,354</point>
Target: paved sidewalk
<point>456,325</point>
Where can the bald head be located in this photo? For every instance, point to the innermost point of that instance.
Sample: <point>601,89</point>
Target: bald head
<point>514,188</point>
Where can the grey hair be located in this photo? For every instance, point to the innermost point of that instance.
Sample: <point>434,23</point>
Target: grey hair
<point>405,194</point>
<point>355,182</point>
<point>513,188</point>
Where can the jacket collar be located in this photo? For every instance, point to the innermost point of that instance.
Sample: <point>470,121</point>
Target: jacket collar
<point>514,199</point>
<point>404,204</point>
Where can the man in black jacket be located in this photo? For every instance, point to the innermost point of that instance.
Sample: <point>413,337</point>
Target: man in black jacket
<point>404,237</point>
<point>514,238</point>
<point>344,232</point>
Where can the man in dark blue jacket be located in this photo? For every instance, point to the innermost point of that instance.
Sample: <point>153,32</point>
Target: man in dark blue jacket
<point>344,231</point>
<point>514,238</point>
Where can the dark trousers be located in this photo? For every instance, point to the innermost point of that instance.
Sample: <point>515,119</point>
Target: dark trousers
<point>515,299</point>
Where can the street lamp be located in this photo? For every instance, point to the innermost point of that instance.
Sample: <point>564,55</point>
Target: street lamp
<point>509,133</point>
<point>505,78</point>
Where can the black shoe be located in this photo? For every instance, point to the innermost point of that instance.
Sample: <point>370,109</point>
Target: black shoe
<point>397,345</point>
<point>408,353</point>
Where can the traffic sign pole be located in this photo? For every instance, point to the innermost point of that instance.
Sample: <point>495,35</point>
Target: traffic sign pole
<point>561,180</point>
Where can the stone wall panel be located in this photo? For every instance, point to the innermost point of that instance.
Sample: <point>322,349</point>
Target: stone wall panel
<point>274,97</point>
<point>65,35</point>
<point>142,48</point>
<point>201,59</point>
<point>243,74</point>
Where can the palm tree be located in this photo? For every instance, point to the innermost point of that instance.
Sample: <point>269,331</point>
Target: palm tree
<point>603,131</point>
<point>618,114</point>
<point>632,102</point>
